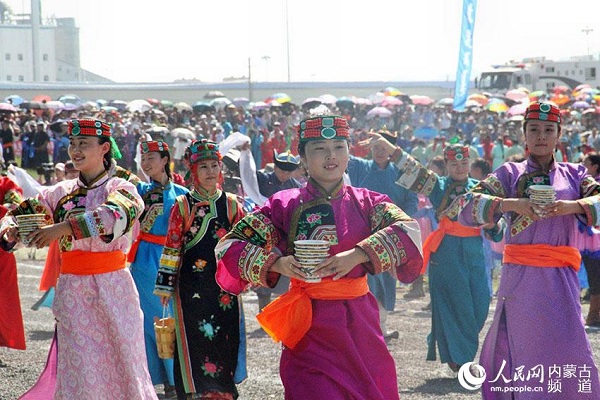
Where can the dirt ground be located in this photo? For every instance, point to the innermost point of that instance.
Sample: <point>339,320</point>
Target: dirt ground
<point>417,378</point>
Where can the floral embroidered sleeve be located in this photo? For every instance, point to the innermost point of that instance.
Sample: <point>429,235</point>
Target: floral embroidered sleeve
<point>482,204</point>
<point>415,176</point>
<point>170,260</point>
<point>246,253</point>
<point>112,219</point>
<point>395,243</point>
<point>590,200</point>
<point>29,206</point>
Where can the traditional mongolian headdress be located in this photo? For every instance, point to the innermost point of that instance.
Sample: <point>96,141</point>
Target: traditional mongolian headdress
<point>323,127</point>
<point>203,150</point>
<point>153,146</point>
<point>543,112</point>
<point>456,152</point>
<point>88,127</point>
<point>286,161</point>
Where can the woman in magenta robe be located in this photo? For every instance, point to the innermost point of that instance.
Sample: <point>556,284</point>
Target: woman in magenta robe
<point>537,347</point>
<point>333,347</point>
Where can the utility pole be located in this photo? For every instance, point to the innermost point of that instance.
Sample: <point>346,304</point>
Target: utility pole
<point>287,39</point>
<point>587,30</point>
<point>249,79</point>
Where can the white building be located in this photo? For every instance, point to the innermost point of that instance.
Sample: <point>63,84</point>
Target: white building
<point>47,51</point>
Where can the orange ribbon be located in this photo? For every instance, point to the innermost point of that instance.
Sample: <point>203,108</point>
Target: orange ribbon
<point>542,255</point>
<point>80,262</point>
<point>446,227</point>
<point>289,317</point>
<point>146,237</point>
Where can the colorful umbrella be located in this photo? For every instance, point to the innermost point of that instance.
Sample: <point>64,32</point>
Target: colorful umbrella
<point>311,102</point>
<point>533,96</point>
<point>279,98</point>
<point>497,107</point>
<point>391,91</point>
<point>70,98</point>
<point>480,98</point>
<point>560,99</point>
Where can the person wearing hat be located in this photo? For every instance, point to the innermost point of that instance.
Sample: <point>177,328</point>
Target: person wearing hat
<point>379,175</point>
<point>159,196</point>
<point>538,321</point>
<point>210,353</point>
<point>97,349</point>
<point>333,347</point>
<point>457,275</point>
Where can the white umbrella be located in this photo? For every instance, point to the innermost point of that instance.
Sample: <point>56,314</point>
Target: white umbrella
<point>381,112</point>
<point>183,133</point>
<point>139,106</point>
<point>55,105</point>
<point>181,106</point>
<point>220,102</point>
<point>328,99</point>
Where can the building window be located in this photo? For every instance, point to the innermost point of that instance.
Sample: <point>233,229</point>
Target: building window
<point>9,77</point>
<point>45,57</point>
<point>590,73</point>
<point>20,57</point>
<point>21,78</point>
<point>567,73</point>
<point>550,69</point>
<point>46,78</point>
<point>7,56</point>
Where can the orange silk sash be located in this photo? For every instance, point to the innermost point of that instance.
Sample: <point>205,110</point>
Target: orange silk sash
<point>79,262</point>
<point>289,317</point>
<point>542,255</point>
<point>147,237</point>
<point>446,227</point>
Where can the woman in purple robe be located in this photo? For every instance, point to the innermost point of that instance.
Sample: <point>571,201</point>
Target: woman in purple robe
<point>333,347</point>
<point>537,346</point>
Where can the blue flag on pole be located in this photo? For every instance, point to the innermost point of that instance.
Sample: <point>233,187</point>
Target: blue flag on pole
<point>465,55</point>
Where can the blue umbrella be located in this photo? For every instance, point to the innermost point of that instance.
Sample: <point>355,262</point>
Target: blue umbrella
<point>14,99</point>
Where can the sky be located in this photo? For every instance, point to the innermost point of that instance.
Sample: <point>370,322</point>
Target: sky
<point>329,40</point>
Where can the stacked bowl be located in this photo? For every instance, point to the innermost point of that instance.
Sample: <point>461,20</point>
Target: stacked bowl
<point>311,253</point>
<point>28,223</point>
<point>542,194</point>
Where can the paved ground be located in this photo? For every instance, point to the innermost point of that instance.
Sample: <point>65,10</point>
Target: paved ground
<point>417,378</point>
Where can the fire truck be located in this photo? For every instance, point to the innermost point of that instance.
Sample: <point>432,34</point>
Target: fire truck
<point>539,73</point>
